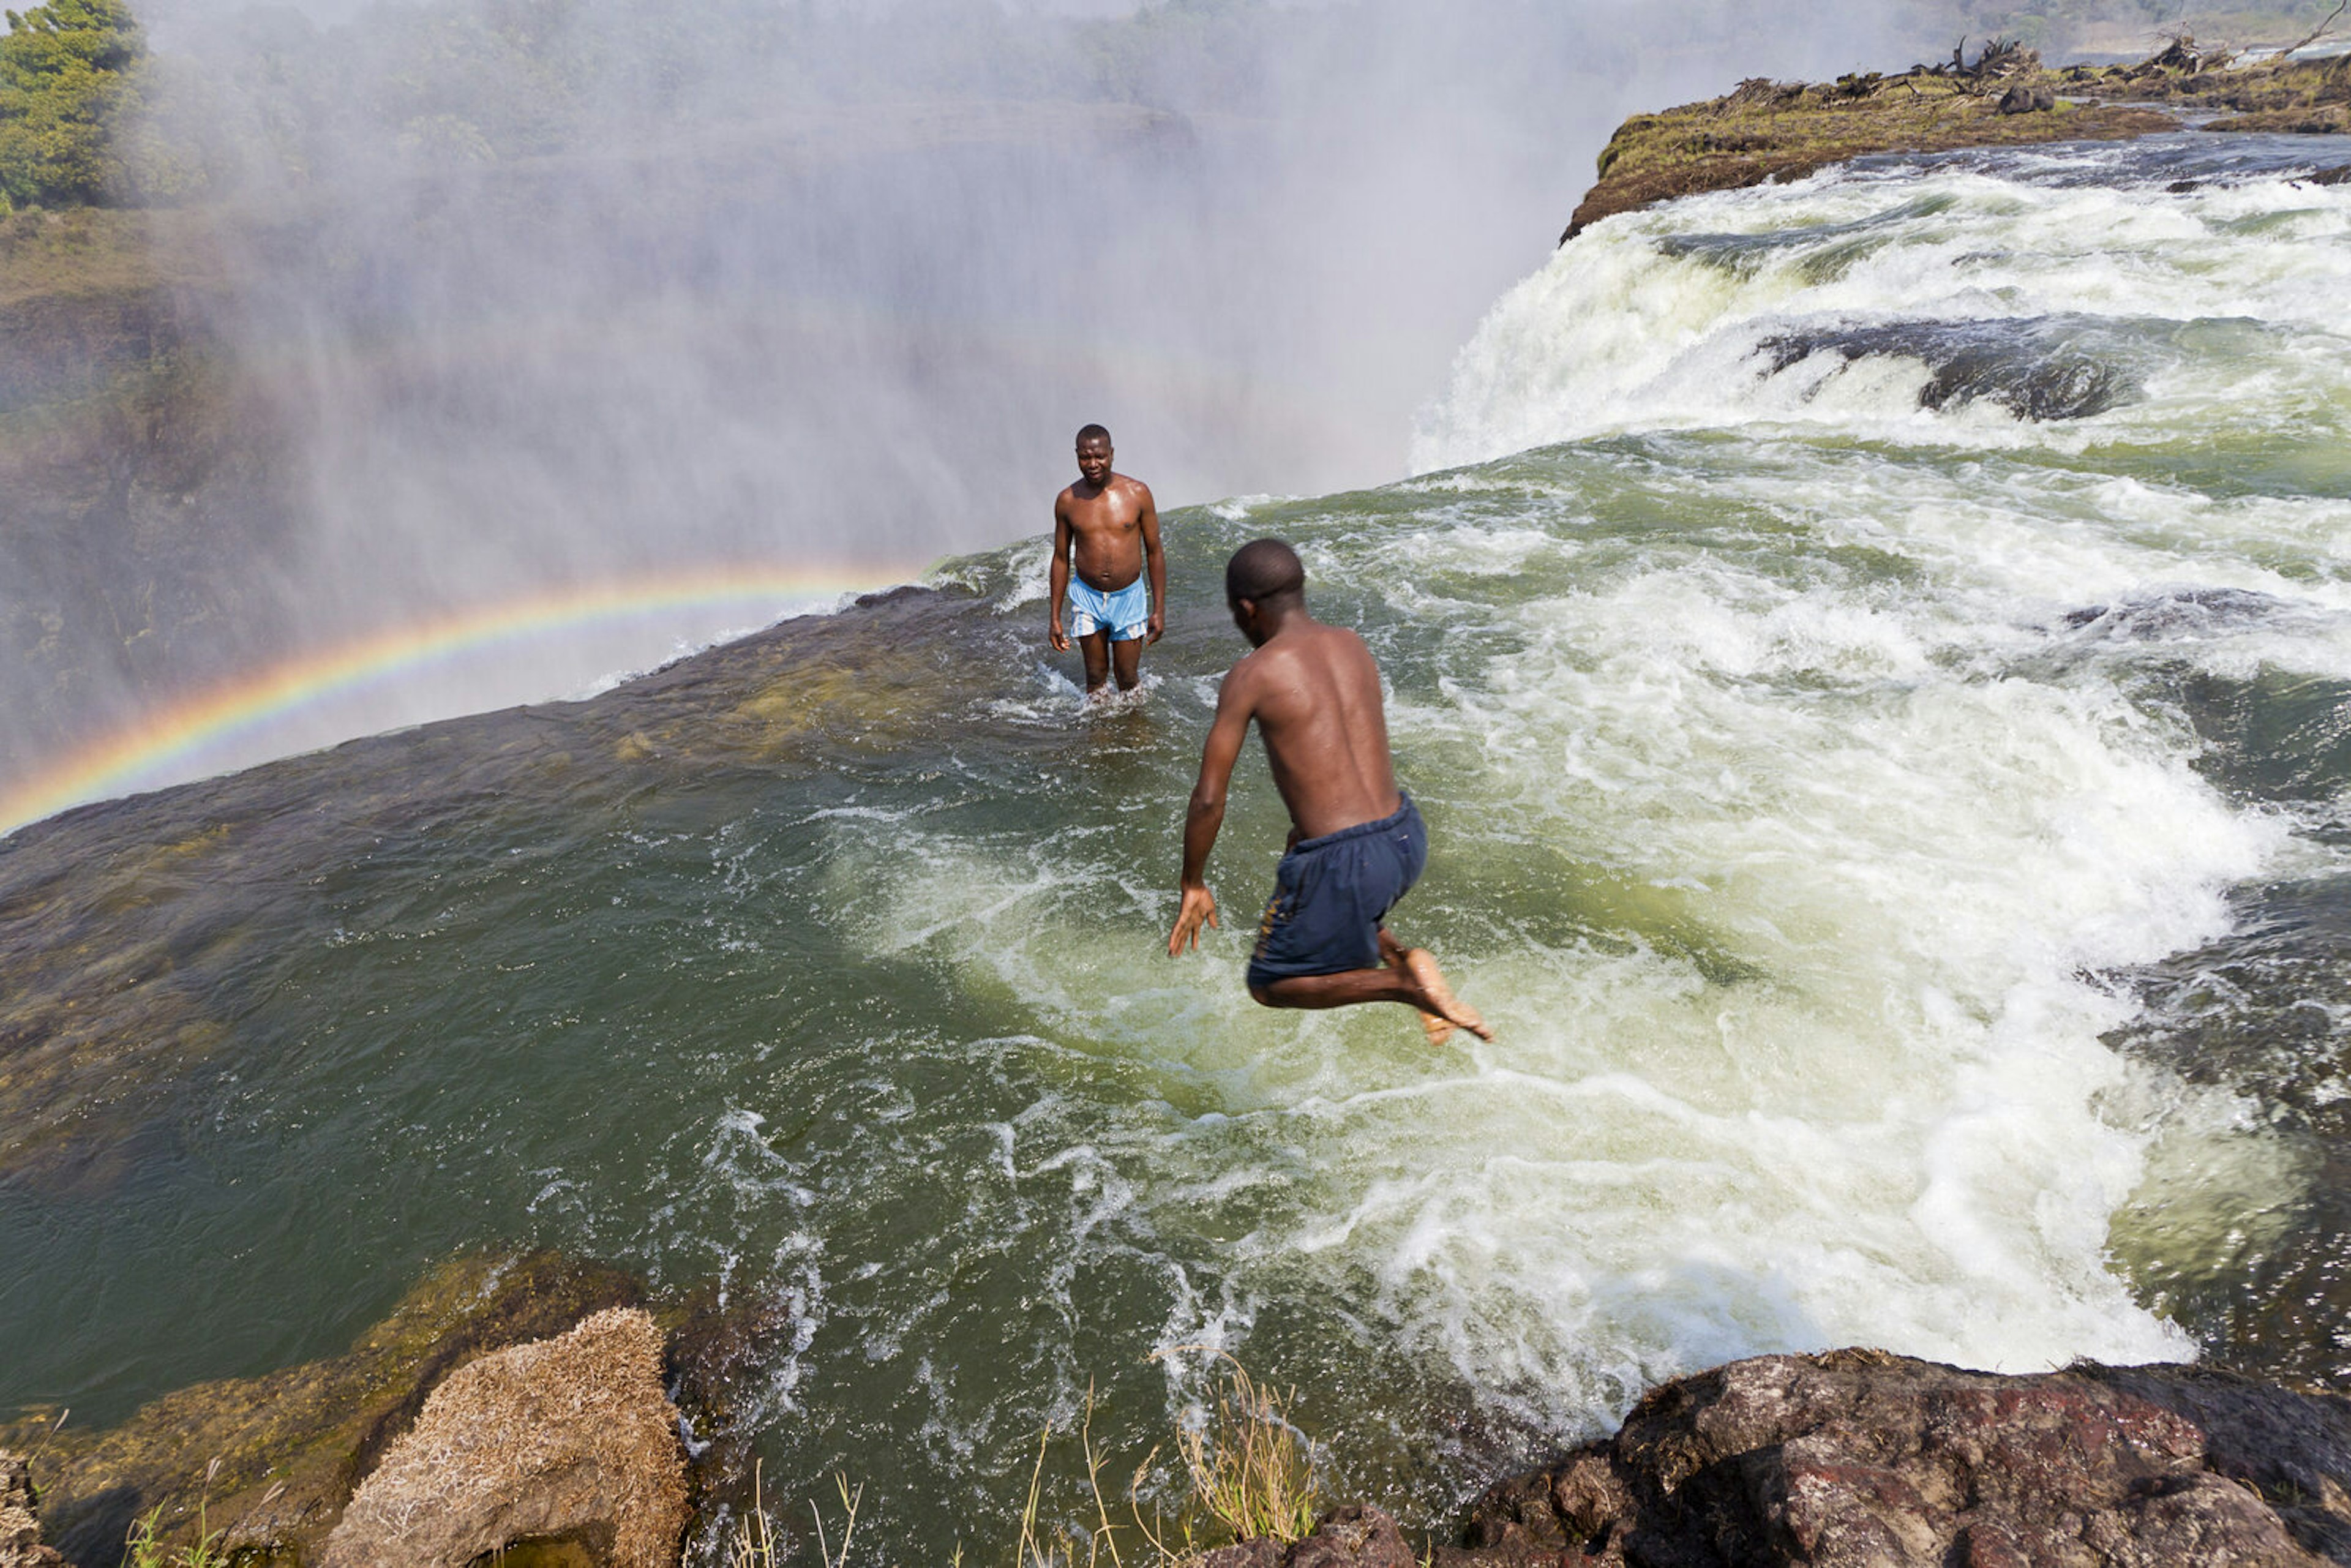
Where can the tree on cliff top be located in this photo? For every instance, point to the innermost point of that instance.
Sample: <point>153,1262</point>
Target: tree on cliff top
<point>65,75</point>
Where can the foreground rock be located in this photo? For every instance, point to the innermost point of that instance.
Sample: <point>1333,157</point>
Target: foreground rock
<point>1859,1458</point>
<point>510,1398</point>
<point>290,1445</point>
<point>1344,1538</point>
<point>568,1439</point>
<point>20,1525</point>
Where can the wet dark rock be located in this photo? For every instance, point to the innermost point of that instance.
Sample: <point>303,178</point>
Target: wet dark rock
<point>2039,369</point>
<point>2027,98</point>
<point>1857,1457</point>
<point>718,1358</point>
<point>2180,612</point>
<point>1243,1554</point>
<point>1351,1537</point>
<point>2255,1012</point>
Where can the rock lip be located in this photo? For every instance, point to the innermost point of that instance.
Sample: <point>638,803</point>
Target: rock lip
<point>570,1437</point>
<point>1857,1457</point>
<point>1768,129</point>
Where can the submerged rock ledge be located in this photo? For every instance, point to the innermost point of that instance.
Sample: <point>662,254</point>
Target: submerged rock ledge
<point>1766,131</point>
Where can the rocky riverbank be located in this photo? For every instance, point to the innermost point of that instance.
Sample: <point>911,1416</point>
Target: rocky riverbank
<point>1856,1458</point>
<point>510,1399</point>
<point>1765,130</point>
<point>524,1403</point>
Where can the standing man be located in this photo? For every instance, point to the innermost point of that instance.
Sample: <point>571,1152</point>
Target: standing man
<point>1109,524</point>
<point>1356,842</point>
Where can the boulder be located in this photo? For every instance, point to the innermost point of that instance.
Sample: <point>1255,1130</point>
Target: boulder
<point>1857,1458</point>
<point>2026,98</point>
<point>566,1438</point>
<point>20,1523</point>
<point>1351,1537</point>
<point>283,1450</point>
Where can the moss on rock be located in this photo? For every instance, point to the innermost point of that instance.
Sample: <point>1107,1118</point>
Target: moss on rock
<point>1784,130</point>
<point>291,1445</point>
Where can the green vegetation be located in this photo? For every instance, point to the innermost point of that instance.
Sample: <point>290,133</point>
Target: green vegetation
<point>143,1549</point>
<point>65,74</point>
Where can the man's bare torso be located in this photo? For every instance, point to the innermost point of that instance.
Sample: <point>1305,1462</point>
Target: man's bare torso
<point>1105,529</point>
<point>1314,692</point>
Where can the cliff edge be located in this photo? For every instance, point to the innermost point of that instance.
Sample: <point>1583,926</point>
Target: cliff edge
<point>1765,130</point>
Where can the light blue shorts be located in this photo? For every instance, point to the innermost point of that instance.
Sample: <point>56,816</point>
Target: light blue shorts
<point>1125,615</point>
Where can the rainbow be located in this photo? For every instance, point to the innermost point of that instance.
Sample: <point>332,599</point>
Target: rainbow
<point>172,741</point>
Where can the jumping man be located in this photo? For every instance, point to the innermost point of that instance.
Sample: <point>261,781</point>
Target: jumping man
<point>1356,842</point>
<point>1109,524</point>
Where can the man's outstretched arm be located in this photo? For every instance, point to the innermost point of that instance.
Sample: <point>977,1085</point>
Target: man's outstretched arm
<point>1206,814</point>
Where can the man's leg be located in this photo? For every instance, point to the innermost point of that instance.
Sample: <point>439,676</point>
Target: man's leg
<point>1406,975</point>
<point>1397,955</point>
<point>1094,647</point>
<point>1126,660</point>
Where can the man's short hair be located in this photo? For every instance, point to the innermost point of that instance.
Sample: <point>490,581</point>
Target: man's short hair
<point>1094,433</point>
<point>1263,569</point>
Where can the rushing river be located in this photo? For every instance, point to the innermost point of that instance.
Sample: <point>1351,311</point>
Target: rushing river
<point>1873,655</point>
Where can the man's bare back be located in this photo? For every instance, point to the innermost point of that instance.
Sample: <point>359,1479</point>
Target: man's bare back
<point>1314,693</point>
<point>1106,526</point>
<point>1356,844</point>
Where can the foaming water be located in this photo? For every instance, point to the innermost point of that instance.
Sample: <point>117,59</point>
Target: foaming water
<point>2186,278</point>
<point>1837,804</point>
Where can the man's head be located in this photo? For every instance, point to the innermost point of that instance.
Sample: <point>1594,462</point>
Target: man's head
<point>1094,453</point>
<point>1263,581</point>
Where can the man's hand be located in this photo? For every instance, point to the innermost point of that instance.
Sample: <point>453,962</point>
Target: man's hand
<point>1055,636</point>
<point>1158,624</point>
<point>1199,909</point>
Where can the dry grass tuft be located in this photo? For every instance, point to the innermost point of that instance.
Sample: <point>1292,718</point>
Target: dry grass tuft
<point>1251,1469</point>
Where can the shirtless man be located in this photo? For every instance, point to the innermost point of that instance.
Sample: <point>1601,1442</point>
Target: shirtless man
<point>1356,842</point>
<point>1109,523</point>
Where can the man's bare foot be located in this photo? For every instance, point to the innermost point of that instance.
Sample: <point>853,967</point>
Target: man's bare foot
<point>1393,953</point>
<point>1444,1008</point>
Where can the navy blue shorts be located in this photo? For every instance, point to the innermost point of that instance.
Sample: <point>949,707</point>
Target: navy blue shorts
<point>1330,894</point>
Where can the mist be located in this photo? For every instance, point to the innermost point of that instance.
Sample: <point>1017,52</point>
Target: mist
<point>525,297</point>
